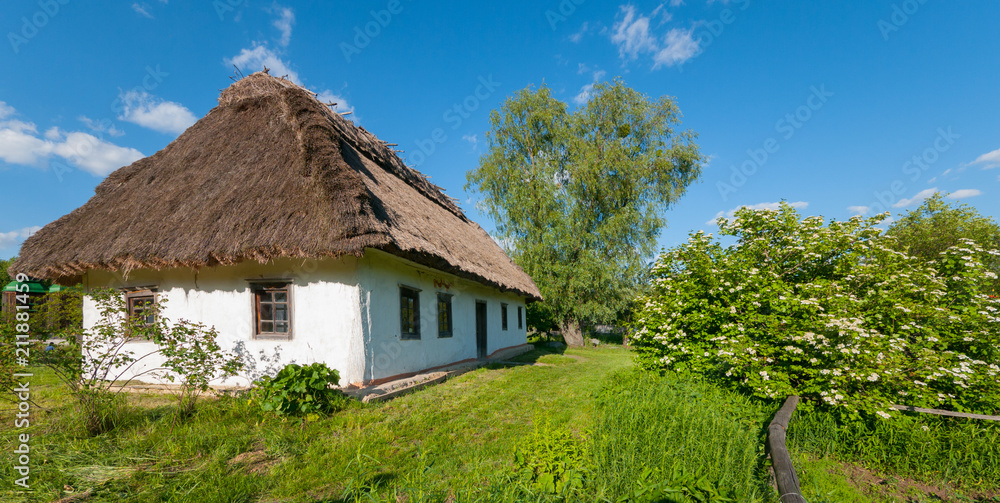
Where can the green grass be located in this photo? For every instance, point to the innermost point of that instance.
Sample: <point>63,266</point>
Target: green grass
<point>962,453</point>
<point>455,438</point>
<point>683,430</point>
<point>456,442</point>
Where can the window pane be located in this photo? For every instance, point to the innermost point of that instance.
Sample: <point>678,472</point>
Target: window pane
<point>409,313</point>
<point>272,310</point>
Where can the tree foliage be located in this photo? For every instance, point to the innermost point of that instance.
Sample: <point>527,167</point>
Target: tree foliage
<point>830,312</point>
<point>578,196</point>
<point>4,275</point>
<point>935,226</point>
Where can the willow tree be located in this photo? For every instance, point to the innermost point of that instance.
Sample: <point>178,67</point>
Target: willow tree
<point>578,196</point>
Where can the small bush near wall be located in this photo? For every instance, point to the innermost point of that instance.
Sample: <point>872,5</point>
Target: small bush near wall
<point>300,390</point>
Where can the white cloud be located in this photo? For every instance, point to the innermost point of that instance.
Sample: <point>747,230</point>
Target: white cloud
<point>101,126</point>
<point>286,18</point>
<point>343,106</point>
<point>633,36</point>
<point>578,36</point>
<point>584,95</point>
<point>142,10</point>
<point>965,193</point>
<point>799,205</point>
<point>680,47</point>
<point>260,56</point>
<point>146,110</point>
<point>94,155</point>
<point>989,159</point>
<point>6,110</point>
<point>858,210</point>
<point>917,198</point>
<point>14,238</point>
<point>472,139</point>
<point>20,144</point>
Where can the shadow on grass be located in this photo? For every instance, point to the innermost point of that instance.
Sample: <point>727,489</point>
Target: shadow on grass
<point>539,351</point>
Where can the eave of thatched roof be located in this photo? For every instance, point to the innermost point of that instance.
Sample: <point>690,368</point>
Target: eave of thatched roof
<point>270,172</point>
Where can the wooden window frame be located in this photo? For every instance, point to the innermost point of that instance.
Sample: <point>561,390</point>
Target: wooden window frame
<point>274,286</point>
<point>408,292</point>
<point>134,294</point>
<point>503,316</point>
<point>520,318</point>
<point>445,298</point>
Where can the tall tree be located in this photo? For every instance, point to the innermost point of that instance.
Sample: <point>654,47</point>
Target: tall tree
<point>937,225</point>
<point>578,196</point>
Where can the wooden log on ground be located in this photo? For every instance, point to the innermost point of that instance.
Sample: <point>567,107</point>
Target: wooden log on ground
<point>784,472</point>
<point>939,412</point>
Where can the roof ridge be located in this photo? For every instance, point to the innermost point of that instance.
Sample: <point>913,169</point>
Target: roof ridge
<point>263,83</point>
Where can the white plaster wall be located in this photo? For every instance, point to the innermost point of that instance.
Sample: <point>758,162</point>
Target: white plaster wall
<point>380,276</point>
<point>325,309</point>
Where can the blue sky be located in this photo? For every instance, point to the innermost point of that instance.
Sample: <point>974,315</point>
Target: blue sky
<point>838,107</point>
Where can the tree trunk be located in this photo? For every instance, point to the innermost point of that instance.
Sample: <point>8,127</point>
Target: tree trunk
<point>571,333</point>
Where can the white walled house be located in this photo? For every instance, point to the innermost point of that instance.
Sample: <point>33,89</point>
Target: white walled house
<point>282,225</point>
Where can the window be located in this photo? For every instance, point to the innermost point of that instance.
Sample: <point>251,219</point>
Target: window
<point>141,309</point>
<point>272,309</point>
<point>409,312</point>
<point>520,319</point>
<point>140,306</point>
<point>444,315</point>
<point>503,316</point>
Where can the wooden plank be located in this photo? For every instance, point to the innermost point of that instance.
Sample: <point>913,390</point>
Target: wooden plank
<point>939,412</point>
<point>784,472</point>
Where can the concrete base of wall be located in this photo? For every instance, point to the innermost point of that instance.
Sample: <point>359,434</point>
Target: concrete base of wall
<point>401,385</point>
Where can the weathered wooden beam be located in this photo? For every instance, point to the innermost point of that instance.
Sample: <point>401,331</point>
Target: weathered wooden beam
<point>784,472</point>
<point>948,413</point>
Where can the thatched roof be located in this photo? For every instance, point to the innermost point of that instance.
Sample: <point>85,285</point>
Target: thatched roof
<point>270,172</point>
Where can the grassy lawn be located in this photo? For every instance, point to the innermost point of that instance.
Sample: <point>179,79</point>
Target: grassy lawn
<point>460,434</point>
<point>646,438</point>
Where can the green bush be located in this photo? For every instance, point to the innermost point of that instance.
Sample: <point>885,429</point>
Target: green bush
<point>300,390</point>
<point>831,312</point>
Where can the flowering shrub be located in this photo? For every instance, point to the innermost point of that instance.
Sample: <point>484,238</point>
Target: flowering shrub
<point>830,312</point>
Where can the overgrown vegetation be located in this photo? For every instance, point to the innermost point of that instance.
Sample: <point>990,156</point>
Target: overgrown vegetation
<point>964,451</point>
<point>673,439</point>
<point>830,312</point>
<point>96,367</point>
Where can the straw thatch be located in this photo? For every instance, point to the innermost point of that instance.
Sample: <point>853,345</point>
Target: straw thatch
<point>270,172</point>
